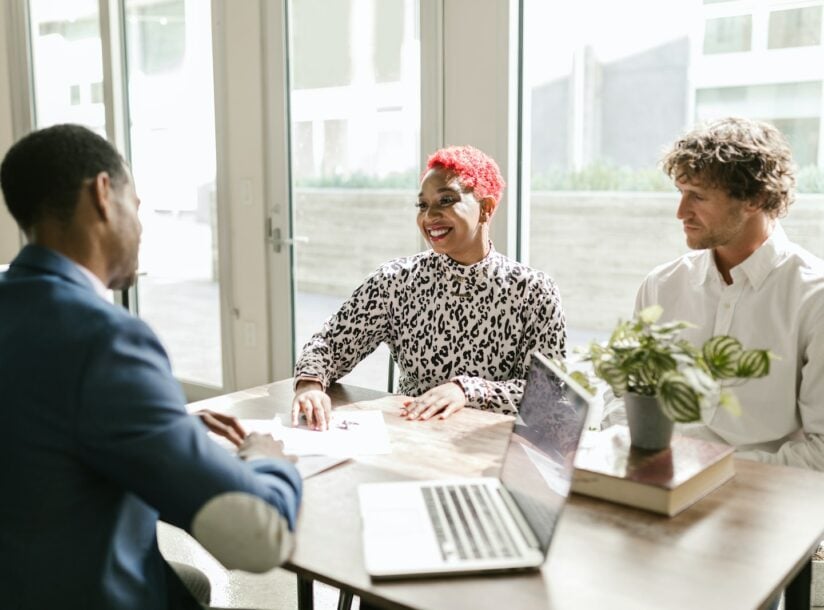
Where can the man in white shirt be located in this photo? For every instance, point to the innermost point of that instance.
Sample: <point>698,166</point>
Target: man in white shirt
<point>744,278</point>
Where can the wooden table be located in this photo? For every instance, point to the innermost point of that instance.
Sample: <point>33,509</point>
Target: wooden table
<point>737,548</point>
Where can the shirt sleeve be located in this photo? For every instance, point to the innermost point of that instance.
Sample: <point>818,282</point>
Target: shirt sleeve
<point>132,428</point>
<point>351,334</point>
<point>545,332</point>
<point>645,295</point>
<point>806,452</point>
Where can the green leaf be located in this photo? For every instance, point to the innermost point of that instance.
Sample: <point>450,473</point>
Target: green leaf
<point>729,401</point>
<point>613,375</point>
<point>582,380</point>
<point>651,314</point>
<point>678,400</point>
<point>753,364</point>
<point>721,354</point>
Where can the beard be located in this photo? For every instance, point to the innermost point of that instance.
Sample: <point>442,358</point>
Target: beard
<point>124,282</point>
<point>719,235</point>
<point>125,275</point>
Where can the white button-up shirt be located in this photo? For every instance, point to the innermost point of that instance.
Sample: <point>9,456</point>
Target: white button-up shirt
<point>776,302</point>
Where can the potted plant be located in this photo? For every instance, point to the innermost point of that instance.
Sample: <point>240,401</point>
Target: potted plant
<point>664,378</point>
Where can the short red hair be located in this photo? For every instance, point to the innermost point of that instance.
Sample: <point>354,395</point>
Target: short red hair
<point>476,171</point>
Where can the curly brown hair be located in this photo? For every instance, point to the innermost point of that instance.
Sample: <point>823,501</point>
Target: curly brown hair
<point>750,160</point>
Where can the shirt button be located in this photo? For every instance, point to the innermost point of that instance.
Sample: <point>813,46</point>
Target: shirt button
<point>726,305</point>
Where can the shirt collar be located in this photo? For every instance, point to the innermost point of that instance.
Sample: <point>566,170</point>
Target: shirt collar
<point>98,286</point>
<point>760,263</point>
<point>456,268</point>
<point>705,267</point>
<point>755,268</point>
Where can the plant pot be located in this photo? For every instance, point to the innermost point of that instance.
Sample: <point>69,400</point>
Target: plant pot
<point>649,428</point>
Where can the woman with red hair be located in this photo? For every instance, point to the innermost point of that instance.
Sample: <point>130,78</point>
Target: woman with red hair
<point>460,320</point>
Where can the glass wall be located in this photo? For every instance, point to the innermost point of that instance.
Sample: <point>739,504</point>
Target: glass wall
<point>602,103</point>
<point>172,135</point>
<point>67,63</point>
<point>355,110</point>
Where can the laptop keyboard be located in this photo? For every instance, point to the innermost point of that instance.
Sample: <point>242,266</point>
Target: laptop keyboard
<point>467,523</point>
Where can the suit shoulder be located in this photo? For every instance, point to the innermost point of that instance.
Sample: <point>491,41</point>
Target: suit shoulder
<point>82,312</point>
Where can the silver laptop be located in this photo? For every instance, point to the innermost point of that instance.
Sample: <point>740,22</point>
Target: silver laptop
<point>469,525</point>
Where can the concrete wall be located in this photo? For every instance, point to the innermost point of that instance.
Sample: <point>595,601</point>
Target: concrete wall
<point>9,235</point>
<point>350,234</point>
<point>597,246</point>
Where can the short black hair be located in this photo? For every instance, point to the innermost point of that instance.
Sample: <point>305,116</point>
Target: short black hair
<point>42,173</point>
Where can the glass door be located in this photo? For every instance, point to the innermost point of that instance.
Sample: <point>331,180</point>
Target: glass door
<point>168,46</point>
<point>355,151</point>
<point>67,63</point>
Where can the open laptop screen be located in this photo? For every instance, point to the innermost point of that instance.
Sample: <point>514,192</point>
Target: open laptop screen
<point>539,462</point>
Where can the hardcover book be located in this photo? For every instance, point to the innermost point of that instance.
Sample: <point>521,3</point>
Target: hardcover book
<point>666,481</point>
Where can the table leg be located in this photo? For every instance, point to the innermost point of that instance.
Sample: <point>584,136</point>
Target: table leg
<point>797,595</point>
<point>345,600</point>
<point>306,593</point>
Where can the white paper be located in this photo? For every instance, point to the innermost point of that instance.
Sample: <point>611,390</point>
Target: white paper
<point>307,465</point>
<point>351,433</point>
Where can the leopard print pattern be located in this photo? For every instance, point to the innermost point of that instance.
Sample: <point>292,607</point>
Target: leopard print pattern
<point>476,325</point>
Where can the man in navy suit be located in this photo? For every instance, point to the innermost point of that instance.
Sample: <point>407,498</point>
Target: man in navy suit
<point>98,443</point>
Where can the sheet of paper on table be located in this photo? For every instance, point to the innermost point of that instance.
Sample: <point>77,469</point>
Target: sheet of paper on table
<point>307,465</point>
<point>350,433</point>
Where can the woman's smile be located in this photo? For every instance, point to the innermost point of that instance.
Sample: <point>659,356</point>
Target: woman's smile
<point>449,218</point>
<point>437,233</point>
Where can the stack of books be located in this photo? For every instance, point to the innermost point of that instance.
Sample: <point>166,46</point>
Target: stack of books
<point>666,481</point>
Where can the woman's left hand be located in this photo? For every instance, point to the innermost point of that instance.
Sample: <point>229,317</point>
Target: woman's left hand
<point>445,399</point>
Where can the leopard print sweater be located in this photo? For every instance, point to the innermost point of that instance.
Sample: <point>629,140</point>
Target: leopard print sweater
<point>477,325</point>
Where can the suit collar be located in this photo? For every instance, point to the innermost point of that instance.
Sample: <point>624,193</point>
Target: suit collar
<point>38,259</point>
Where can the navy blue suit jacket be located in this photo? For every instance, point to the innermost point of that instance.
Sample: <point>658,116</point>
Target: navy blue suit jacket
<point>96,444</point>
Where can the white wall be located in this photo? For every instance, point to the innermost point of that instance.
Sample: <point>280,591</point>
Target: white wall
<point>237,40</point>
<point>9,235</point>
<point>480,98</point>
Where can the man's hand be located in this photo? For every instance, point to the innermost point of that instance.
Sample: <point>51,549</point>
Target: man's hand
<point>445,399</point>
<point>314,403</point>
<point>258,445</point>
<point>223,425</point>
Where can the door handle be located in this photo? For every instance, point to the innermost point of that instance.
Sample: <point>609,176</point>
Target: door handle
<point>277,241</point>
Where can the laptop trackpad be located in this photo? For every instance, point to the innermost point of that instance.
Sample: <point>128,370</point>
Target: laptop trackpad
<point>396,522</point>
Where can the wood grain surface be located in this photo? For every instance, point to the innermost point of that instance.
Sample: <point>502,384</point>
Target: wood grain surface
<point>736,548</point>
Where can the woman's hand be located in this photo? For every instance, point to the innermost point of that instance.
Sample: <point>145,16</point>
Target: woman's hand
<point>314,403</point>
<point>223,425</point>
<point>445,399</point>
